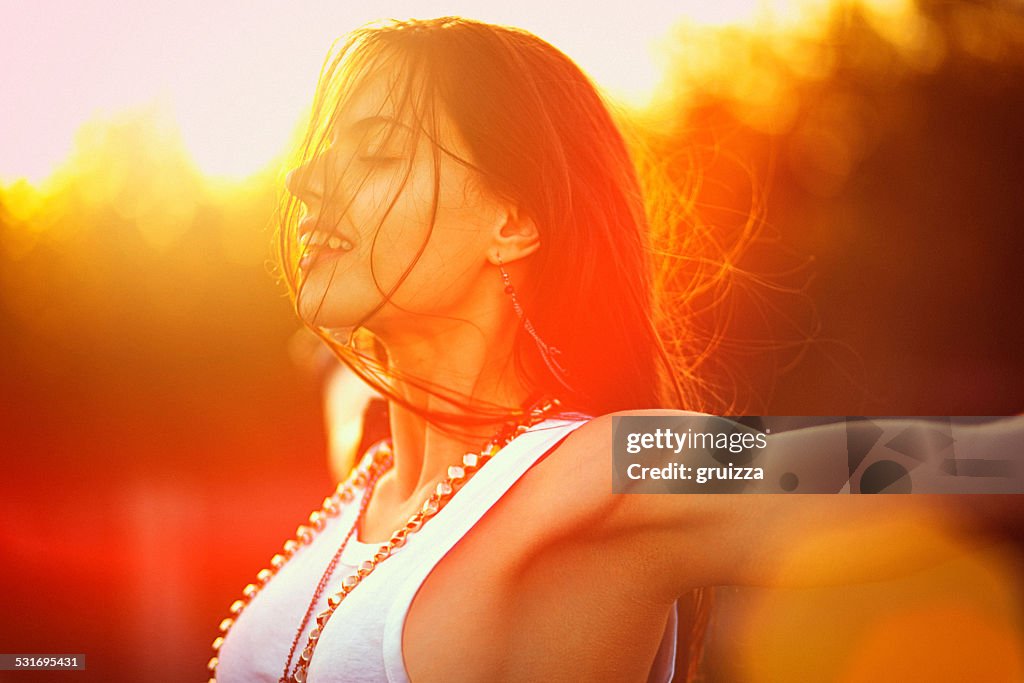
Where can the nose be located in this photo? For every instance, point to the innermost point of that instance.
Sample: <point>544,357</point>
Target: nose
<point>306,182</point>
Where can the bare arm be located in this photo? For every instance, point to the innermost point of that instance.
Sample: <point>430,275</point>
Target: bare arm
<point>798,540</point>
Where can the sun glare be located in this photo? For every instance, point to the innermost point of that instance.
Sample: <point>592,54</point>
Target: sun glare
<point>236,82</point>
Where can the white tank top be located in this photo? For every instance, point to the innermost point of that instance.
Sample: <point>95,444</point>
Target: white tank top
<point>362,642</point>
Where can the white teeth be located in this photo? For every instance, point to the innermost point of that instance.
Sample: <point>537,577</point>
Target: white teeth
<point>317,238</point>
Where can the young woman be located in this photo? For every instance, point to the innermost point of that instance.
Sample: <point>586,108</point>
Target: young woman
<point>468,234</point>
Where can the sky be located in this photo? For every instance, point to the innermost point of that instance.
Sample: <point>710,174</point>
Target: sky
<point>236,77</point>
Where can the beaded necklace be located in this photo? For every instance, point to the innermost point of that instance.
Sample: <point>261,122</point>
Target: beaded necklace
<point>364,478</point>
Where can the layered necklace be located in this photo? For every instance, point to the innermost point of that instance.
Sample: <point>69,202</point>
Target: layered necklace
<point>362,479</point>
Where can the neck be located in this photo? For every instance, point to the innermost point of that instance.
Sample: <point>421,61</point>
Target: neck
<point>456,359</point>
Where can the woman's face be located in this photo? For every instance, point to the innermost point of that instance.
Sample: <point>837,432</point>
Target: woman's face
<point>381,200</point>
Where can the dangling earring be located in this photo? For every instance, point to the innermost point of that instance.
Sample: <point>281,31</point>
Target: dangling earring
<point>550,354</point>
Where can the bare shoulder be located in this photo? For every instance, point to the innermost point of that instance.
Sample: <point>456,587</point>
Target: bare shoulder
<point>590,445</point>
<point>669,530</point>
<point>596,433</point>
<point>577,478</point>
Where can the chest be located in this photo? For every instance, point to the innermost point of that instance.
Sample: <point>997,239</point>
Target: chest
<point>520,583</point>
<point>530,594</point>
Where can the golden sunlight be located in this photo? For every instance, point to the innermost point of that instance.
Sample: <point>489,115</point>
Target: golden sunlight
<point>236,83</point>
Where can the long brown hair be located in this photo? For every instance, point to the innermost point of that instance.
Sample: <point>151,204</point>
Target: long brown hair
<point>540,135</point>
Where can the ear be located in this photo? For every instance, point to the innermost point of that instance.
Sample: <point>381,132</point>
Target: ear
<point>514,236</point>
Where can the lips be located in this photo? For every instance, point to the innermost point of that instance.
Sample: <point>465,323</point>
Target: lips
<point>309,226</point>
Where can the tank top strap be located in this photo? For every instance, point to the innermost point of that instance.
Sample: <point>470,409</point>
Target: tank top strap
<point>465,509</point>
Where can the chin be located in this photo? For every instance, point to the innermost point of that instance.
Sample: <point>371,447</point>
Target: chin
<point>318,312</point>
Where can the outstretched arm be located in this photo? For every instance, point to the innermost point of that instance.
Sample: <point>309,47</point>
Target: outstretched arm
<point>794,539</point>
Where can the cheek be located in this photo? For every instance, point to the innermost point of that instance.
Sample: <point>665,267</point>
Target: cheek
<point>399,230</point>
<point>423,226</point>
<point>450,270</point>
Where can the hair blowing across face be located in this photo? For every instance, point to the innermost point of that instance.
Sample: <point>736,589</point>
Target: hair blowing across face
<point>541,137</point>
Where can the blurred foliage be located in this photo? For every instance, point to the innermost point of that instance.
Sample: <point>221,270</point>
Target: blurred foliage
<point>128,262</point>
<point>146,343</point>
